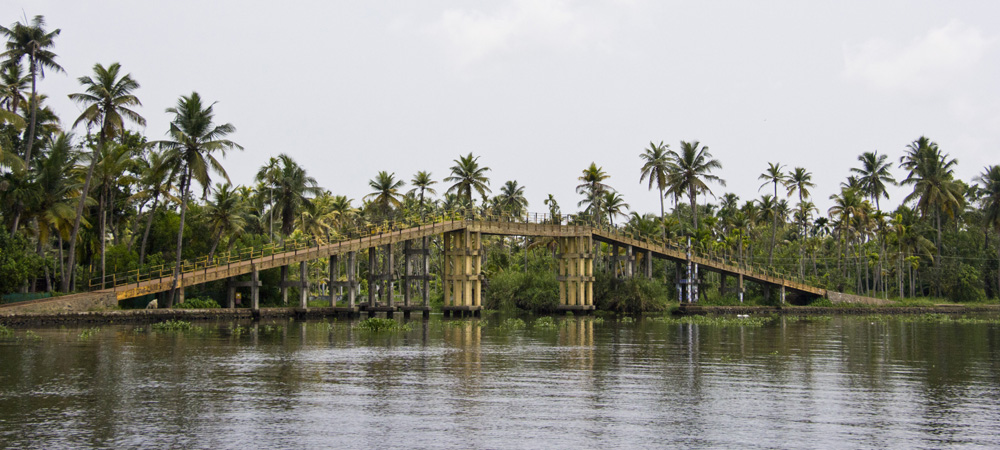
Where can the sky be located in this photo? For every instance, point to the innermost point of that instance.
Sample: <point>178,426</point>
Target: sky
<point>539,89</point>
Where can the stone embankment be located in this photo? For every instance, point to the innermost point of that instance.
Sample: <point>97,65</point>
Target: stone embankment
<point>142,316</point>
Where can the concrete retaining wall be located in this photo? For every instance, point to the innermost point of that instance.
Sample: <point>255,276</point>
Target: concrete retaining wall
<point>73,303</point>
<point>839,297</point>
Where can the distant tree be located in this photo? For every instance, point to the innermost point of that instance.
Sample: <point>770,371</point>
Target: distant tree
<point>656,167</point>
<point>385,192</point>
<point>990,180</point>
<point>773,175</point>
<point>468,176</point>
<point>691,168</point>
<point>873,176</point>
<point>592,186</point>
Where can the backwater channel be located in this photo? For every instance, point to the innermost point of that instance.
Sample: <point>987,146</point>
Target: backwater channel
<point>584,382</point>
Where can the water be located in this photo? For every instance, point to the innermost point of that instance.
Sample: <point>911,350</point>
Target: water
<point>839,383</point>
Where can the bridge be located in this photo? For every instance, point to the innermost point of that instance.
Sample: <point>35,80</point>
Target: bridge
<point>461,267</point>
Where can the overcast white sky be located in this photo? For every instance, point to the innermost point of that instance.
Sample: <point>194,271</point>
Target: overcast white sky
<point>539,89</point>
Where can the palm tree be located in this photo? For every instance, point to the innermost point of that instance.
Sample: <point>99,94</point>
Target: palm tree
<point>422,181</point>
<point>511,200</point>
<point>934,188</point>
<point>33,42</point>
<point>468,176</point>
<point>226,214</point>
<point>156,178</point>
<point>553,208</point>
<point>108,98</point>
<point>385,191</point>
<point>292,188</point>
<point>773,175</point>
<point>13,83</point>
<point>614,205</point>
<point>193,140</point>
<point>873,175</point>
<point>115,160</point>
<point>990,179</point>
<point>656,167</point>
<point>593,189</point>
<point>54,209</point>
<point>267,176</point>
<point>690,170</point>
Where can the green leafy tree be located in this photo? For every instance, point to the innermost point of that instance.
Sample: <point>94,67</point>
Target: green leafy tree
<point>773,175</point>
<point>422,183</point>
<point>226,214</point>
<point>691,169</point>
<point>385,192</point>
<point>292,189</point>
<point>592,187</point>
<point>467,176</point>
<point>990,180</point>
<point>873,176</point>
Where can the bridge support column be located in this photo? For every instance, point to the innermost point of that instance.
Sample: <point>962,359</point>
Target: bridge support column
<point>411,264</point>
<point>462,266</point>
<point>576,274</point>
<point>722,284</point>
<point>303,285</point>
<point>739,286</point>
<point>333,274</point>
<point>254,288</point>
<point>782,294</point>
<point>284,290</point>
<point>648,260</point>
<point>352,278</point>
<point>629,261</point>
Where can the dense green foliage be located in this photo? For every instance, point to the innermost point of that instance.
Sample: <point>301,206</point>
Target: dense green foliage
<point>18,262</point>
<point>629,295</point>
<point>535,291</point>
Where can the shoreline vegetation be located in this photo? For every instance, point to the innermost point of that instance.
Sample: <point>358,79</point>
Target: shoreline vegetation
<point>85,201</point>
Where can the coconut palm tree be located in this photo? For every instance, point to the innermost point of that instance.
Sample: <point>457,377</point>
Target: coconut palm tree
<point>107,98</point>
<point>656,167</point>
<point>226,215</point>
<point>54,209</point>
<point>690,170</point>
<point>422,182</point>
<point>990,180</point>
<point>935,190</point>
<point>110,173</point>
<point>553,208</point>
<point>156,180</point>
<point>614,205</point>
<point>873,175</point>
<point>468,176</point>
<point>593,189</point>
<point>511,200</point>
<point>13,84</point>
<point>385,192</point>
<point>292,189</point>
<point>193,140</point>
<point>31,41</point>
<point>773,175</point>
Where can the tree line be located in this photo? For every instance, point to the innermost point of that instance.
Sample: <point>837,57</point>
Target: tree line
<point>97,198</point>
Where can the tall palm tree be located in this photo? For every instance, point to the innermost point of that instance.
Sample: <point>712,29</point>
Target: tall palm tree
<point>990,179</point>
<point>267,176</point>
<point>656,167</point>
<point>31,41</point>
<point>511,200</point>
<point>873,176</point>
<point>115,160</point>
<point>593,189</point>
<point>54,210</point>
<point>934,188</point>
<point>468,176</point>
<point>691,169</point>
<point>292,189</point>
<point>193,140</point>
<point>773,175</point>
<point>422,182</point>
<point>553,208</point>
<point>108,98</point>
<point>156,179</point>
<point>226,214</point>
<point>385,192</point>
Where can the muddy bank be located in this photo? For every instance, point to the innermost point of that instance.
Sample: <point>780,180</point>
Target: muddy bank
<point>845,310</point>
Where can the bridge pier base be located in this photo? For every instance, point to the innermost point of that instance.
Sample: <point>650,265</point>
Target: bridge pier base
<point>410,262</point>
<point>462,267</point>
<point>576,274</point>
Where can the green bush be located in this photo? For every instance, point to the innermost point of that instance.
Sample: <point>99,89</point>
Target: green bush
<point>198,303</point>
<point>964,284</point>
<point>629,296</point>
<point>537,292</point>
<point>18,262</point>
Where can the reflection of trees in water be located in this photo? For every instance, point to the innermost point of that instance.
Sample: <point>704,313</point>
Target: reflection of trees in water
<point>466,362</point>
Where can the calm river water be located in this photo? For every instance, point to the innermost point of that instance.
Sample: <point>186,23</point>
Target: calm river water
<point>844,382</point>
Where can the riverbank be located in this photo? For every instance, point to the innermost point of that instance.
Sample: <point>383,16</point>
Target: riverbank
<point>685,309</point>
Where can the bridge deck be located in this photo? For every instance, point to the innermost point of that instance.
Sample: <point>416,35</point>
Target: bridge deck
<point>201,276</point>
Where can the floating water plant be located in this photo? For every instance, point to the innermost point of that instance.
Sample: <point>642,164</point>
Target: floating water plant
<point>511,324</point>
<point>545,322</point>
<point>88,333</point>
<point>173,325</point>
<point>378,324</point>
<point>5,331</point>
<point>721,321</point>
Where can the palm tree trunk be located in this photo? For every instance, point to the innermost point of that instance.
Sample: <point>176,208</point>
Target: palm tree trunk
<point>694,206</point>
<point>149,224</point>
<point>663,217</point>
<point>185,189</point>
<point>62,268</point>
<point>71,264</point>
<point>937,258</point>
<point>102,231</point>
<point>34,111</point>
<point>215,244</point>
<point>774,225</point>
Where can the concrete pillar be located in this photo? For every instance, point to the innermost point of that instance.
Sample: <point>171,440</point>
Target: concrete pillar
<point>739,286</point>
<point>303,285</point>
<point>333,274</point>
<point>231,297</point>
<point>407,272</point>
<point>629,261</point>
<point>284,289</point>
<point>426,292</point>
<point>352,278</point>
<point>180,294</point>
<point>782,294</point>
<point>254,288</point>
<point>648,257</point>
<point>390,264</point>
<point>372,281</point>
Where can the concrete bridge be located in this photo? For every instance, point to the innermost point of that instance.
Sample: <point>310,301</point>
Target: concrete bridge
<point>462,264</point>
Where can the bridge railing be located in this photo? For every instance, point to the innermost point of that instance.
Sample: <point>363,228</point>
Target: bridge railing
<point>410,221</point>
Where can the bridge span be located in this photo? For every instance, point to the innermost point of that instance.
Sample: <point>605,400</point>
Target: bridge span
<point>461,267</point>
